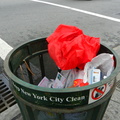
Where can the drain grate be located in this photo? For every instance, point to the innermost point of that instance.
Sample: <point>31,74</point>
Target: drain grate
<point>6,97</point>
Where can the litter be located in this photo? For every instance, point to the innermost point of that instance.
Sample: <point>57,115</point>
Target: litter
<point>104,63</point>
<point>68,44</point>
<point>75,55</point>
<point>94,75</point>
<point>59,81</point>
<point>79,83</point>
<point>45,82</point>
<point>99,68</point>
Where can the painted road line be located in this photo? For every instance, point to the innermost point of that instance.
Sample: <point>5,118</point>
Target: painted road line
<point>79,10</point>
<point>4,49</point>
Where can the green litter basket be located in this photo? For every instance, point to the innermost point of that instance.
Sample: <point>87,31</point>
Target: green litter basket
<point>27,64</point>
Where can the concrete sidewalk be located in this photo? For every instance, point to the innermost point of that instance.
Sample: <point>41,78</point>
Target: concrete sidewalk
<point>112,111</point>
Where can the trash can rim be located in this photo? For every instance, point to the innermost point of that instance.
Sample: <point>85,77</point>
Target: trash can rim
<point>56,90</point>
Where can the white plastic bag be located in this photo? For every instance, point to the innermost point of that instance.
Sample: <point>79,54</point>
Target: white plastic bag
<point>103,61</point>
<point>72,75</point>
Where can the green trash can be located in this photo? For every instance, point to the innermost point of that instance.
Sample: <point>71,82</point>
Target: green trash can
<point>30,62</point>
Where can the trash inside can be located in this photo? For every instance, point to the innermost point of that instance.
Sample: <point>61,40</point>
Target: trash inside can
<point>29,63</point>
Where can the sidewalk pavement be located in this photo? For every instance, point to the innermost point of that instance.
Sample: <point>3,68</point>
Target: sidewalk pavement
<point>112,111</point>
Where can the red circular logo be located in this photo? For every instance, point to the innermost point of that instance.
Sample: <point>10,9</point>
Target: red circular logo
<point>98,92</point>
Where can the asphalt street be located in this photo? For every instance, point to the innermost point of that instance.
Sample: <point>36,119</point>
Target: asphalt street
<point>24,20</point>
<point>21,21</point>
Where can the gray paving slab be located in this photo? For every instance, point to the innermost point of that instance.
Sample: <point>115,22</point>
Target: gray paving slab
<point>11,113</point>
<point>113,109</point>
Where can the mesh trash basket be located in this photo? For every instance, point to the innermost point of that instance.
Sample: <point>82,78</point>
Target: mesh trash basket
<point>27,64</point>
